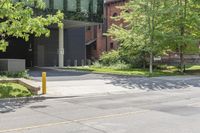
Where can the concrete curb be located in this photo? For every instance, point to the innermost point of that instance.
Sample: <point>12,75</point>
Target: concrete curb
<point>29,84</point>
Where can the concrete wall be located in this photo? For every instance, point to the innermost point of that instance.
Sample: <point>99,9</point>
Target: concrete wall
<point>12,65</point>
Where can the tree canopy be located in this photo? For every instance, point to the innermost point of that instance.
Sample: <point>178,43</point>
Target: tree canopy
<point>156,26</point>
<point>18,19</point>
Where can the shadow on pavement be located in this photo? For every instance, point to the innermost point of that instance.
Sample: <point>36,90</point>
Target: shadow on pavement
<point>154,84</point>
<point>55,74</point>
<point>8,106</point>
<point>52,72</point>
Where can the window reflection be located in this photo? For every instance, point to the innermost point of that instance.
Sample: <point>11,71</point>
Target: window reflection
<point>71,5</point>
<point>58,4</point>
<point>95,4</point>
<point>86,10</point>
<point>84,6</point>
<point>47,3</point>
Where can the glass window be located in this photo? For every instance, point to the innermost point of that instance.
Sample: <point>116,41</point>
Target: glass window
<point>85,6</point>
<point>15,1</point>
<point>47,3</point>
<point>58,4</point>
<point>95,4</point>
<point>71,6</point>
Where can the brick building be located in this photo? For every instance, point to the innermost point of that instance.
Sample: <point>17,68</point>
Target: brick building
<point>96,41</point>
<point>111,10</point>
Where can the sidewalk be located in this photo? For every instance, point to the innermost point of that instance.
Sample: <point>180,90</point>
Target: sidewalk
<point>84,87</point>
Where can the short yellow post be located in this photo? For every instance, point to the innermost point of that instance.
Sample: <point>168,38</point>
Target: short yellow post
<point>44,83</point>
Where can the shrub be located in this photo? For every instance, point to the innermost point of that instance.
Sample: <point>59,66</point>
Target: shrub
<point>135,61</point>
<point>120,65</point>
<point>22,74</point>
<point>97,64</point>
<point>9,90</point>
<point>110,58</point>
<point>118,59</point>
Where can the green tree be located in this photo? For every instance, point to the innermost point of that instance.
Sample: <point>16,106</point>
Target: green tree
<point>141,31</point>
<point>182,26</point>
<point>154,26</point>
<point>18,19</point>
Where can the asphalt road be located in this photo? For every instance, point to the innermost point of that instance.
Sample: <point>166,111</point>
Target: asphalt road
<point>160,111</point>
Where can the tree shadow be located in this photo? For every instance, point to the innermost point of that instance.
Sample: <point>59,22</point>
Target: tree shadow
<point>51,72</point>
<point>54,74</point>
<point>11,105</point>
<point>7,106</point>
<point>153,84</point>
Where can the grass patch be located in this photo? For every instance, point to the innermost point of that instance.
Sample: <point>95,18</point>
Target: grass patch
<point>168,71</point>
<point>193,70</point>
<point>12,90</point>
<point>131,72</point>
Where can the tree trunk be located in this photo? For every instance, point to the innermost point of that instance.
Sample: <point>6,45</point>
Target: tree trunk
<point>144,60</point>
<point>182,64</point>
<point>151,63</point>
<point>144,64</point>
<point>182,30</point>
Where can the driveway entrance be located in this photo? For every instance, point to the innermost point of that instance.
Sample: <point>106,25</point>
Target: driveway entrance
<point>62,82</point>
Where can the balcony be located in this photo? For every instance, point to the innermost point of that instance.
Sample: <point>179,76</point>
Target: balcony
<point>79,10</point>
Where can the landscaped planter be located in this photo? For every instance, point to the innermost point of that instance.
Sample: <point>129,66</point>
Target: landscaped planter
<point>30,85</point>
<point>12,65</point>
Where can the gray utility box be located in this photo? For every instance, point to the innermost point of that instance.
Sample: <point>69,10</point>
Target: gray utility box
<point>12,65</point>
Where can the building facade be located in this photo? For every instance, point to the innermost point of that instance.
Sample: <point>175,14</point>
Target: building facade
<point>66,46</point>
<point>96,41</point>
<point>81,39</point>
<point>111,10</point>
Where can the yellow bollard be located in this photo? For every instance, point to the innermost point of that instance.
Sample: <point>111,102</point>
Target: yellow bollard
<point>44,83</point>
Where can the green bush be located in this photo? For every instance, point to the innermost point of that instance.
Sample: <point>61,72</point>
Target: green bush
<point>134,61</point>
<point>10,90</point>
<point>110,58</point>
<point>118,59</point>
<point>97,64</point>
<point>120,66</point>
<point>22,74</point>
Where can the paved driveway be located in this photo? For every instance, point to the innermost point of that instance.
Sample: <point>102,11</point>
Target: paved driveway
<point>73,83</point>
<point>62,82</point>
<point>54,74</point>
